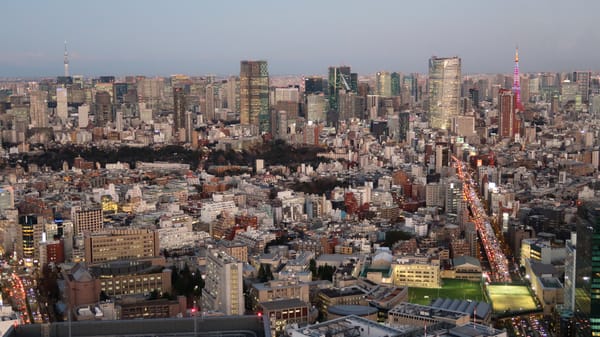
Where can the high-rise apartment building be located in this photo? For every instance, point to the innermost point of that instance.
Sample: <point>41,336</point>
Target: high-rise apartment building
<point>62,110</point>
<point>83,112</point>
<point>508,124</point>
<point>223,290</point>
<point>37,109</point>
<point>444,90</point>
<point>454,194</point>
<point>254,94</point>
<point>570,272</point>
<point>232,92</point>
<point>179,106</point>
<point>384,84</point>
<point>212,99</point>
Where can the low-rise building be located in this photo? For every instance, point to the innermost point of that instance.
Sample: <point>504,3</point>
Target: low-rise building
<point>438,321</point>
<point>283,312</point>
<point>279,290</point>
<point>413,272</point>
<point>466,268</point>
<point>132,277</point>
<point>341,296</point>
<point>159,308</point>
<point>117,244</point>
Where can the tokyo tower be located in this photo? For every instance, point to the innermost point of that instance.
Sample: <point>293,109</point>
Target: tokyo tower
<point>516,82</point>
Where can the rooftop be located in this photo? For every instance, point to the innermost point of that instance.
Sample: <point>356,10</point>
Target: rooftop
<point>550,282</point>
<point>347,309</point>
<point>283,304</point>
<point>348,326</point>
<point>481,309</point>
<point>410,309</point>
<point>349,291</point>
<point>243,326</point>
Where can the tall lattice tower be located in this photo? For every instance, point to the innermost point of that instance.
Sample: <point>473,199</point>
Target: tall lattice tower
<point>66,61</point>
<point>517,82</point>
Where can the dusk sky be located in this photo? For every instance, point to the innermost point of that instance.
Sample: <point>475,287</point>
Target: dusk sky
<point>296,37</point>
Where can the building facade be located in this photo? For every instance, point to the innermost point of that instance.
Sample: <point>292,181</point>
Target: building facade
<point>508,125</point>
<point>416,273</point>
<point>444,90</point>
<point>223,290</point>
<point>116,244</point>
<point>87,220</point>
<point>254,94</point>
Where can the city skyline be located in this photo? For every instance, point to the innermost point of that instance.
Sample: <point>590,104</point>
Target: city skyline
<point>198,38</point>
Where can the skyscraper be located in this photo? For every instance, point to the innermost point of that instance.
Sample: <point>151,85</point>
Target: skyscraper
<point>410,83</point>
<point>103,108</point>
<point>83,112</point>
<point>384,84</point>
<point>178,109</point>
<point>583,78</point>
<point>254,94</point>
<point>404,126</point>
<point>340,79</point>
<point>313,85</point>
<point>62,110</point>
<point>587,268</point>
<point>570,272</point>
<point>444,90</point>
<point>396,84</point>
<point>37,109</point>
<point>508,124</point>
<point>66,61</point>
<point>233,93</point>
<point>212,100</point>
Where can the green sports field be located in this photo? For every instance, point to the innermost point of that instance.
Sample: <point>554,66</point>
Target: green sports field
<point>454,289</point>
<point>510,298</point>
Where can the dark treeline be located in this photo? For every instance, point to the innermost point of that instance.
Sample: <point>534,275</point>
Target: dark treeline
<point>274,153</point>
<point>54,157</point>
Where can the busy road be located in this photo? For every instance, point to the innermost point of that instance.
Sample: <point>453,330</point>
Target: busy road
<point>21,291</point>
<point>13,286</point>
<point>499,267</point>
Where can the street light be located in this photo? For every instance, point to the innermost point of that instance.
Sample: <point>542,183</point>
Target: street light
<point>194,313</point>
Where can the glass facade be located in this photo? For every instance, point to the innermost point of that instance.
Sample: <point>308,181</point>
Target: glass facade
<point>444,90</point>
<point>340,78</point>
<point>254,94</point>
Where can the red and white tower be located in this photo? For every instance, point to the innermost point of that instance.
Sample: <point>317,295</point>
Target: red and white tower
<point>516,89</point>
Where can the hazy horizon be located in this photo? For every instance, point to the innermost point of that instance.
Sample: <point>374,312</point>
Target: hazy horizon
<point>159,38</point>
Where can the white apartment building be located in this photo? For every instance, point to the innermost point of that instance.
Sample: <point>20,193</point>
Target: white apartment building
<point>223,291</point>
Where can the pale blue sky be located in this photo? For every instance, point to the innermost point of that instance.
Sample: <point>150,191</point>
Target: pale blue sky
<point>160,37</point>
